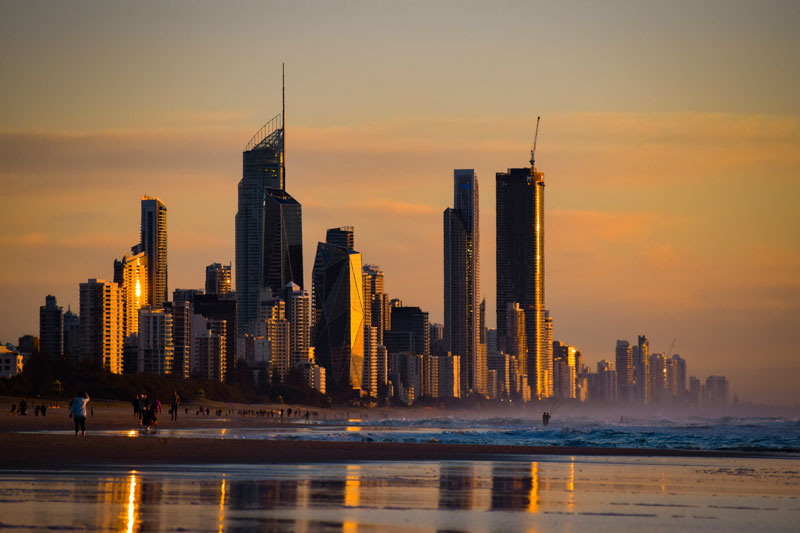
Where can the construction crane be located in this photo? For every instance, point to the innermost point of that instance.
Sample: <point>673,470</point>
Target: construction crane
<point>671,346</point>
<point>535,137</point>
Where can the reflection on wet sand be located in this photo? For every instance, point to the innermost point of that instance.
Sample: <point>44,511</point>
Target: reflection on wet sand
<point>625,494</point>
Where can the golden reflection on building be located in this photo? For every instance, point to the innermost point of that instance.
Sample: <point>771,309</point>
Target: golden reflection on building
<point>533,495</point>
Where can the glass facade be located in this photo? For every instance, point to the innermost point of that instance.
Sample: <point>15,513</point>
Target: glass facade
<point>338,315</point>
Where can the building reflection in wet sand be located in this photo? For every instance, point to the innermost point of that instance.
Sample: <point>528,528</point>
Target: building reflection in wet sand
<point>427,496</point>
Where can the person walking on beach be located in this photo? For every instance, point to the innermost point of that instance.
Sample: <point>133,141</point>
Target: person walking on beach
<point>173,408</point>
<point>151,414</point>
<point>77,411</point>
<point>23,407</point>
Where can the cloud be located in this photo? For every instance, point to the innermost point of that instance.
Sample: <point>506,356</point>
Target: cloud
<point>24,240</point>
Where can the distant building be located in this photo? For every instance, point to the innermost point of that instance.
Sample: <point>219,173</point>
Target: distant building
<point>680,376</point>
<point>208,348</point>
<point>717,392</point>
<point>641,370</point>
<point>181,337</point>
<point>564,371</point>
<point>607,382</point>
<point>154,245</point>
<point>72,340</point>
<point>343,237</point>
<point>274,327</point>
<point>625,373</point>
<point>338,315</point>
<point>218,279</point>
<point>185,295</point>
<point>101,325</point>
<point>156,349</point>
<point>28,345</point>
<point>462,279</point>
<point>10,363</point>
<point>51,328</point>
<point>377,309</point>
<point>220,308</point>
<point>298,313</point>
<point>412,320</point>
<point>449,369</point>
<point>314,375</point>
<point>658,378</point>
<point>369,380</point>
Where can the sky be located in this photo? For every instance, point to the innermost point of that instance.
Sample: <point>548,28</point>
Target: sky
<point>669,139</point>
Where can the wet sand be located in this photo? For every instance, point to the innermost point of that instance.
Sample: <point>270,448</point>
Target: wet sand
<point>30,442</point>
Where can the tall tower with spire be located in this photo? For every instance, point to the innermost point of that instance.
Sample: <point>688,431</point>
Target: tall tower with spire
<point>269,230</point>
<point>520,269</point>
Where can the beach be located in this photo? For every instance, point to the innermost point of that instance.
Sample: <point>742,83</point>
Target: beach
<point>120,477</point>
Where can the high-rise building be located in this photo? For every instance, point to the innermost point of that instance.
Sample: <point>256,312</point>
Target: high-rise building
<point>273,326</point>
<point>338,315</point>
<point>377,309</point>
<point>369,381</point>
<point>606,386</point>
<point>221,308</point>
<point>154,245</point>
<point>717,390</point>
<point>412,320</point>
<point>72,337</point>
<point>51,328</point>
<point>680,376</point>
<point>156,350</point>
<point>658,378</point>
<point>343,236</point>
<point>625,374</point>
<point>218,279</point>
<point>520,268</point>
<point>641,370</point>
<point>269,230</point>
<point>298,313</point>
<point>564,371</point>
<point>208,348</point>
<point>101,325</point>
<point>462,279</point>
<point>28,345</point>
<point>181,312</point>
<point>130,274</point>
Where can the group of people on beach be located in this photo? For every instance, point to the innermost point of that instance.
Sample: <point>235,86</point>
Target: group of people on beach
<point>22,408</point>
<point>147,410</point>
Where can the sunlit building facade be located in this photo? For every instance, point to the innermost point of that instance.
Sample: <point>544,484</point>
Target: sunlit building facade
<point>641,370</point>
<point>377,310</point>
<point>101,325</point>
<point>625,375</point>
<point>462,280</point>
<point>269,232</point>
<point>298,313</point>
<point>218,279</point>
<point>130,273</point>
<point>154,245</point>
<point>338,315</point>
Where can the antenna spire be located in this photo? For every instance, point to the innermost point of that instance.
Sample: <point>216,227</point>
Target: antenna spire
<point>283,125</point>
<point>535,138</point>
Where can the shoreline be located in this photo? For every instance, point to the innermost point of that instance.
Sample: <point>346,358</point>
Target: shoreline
<point>23,451</point>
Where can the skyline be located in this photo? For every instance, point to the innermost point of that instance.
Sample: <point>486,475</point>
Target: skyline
<point>631,188</point>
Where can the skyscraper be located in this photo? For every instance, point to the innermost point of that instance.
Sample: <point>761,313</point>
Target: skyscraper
<point>377,310</point>
<point>641,370</point>
<point>218,279</point>
<point>101,325</point>
<point>269,231</point>
<point>72,337</point>
<point>413,320</point>
<point>462,279</point>
<point>338,315</point>
<point>156,349</point>
<point>51,328</point>
<point>130,274</point>
<point>154,245</point>
<point>625,377</point>
<point>520,268</point>
<point>298,313</point>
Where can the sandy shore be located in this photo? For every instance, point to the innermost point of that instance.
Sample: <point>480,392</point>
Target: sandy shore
<point>22,447</point>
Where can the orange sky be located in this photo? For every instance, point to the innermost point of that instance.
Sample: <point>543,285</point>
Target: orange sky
<point>670,141</point>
